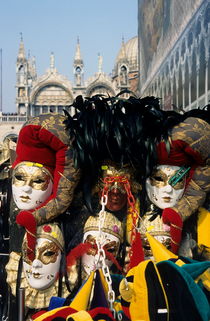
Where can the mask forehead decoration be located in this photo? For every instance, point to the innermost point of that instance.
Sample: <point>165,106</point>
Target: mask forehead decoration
<point>34,174</point>
<point>116,176</point>
<point>111,225</point>
<point>49,232</point>
<point>31,168</point>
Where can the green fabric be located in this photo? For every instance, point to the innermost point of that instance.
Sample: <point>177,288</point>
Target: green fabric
<point>182,289</point>
<point>196,269</point>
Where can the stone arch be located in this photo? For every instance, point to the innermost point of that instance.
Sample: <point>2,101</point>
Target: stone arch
<point>51,96</point>
<point>99,88</point>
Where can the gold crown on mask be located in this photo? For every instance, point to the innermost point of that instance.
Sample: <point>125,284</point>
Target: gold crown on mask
<point>112,169</point>
<point>51,232</point>
<point>111,225</point>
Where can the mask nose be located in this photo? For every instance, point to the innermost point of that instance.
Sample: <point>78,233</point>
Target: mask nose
<point>36,264</point>
<point>27,188</point>
<point>115,190</point>
<point>168,188</point>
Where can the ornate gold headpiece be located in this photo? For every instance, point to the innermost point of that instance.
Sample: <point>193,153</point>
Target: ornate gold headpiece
<point>51,232</point>
<point>111,225</point>
<point>112,169</point>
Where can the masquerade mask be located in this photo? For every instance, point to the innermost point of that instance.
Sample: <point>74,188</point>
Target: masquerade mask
<point>110,239</point>
<point>43,271</point>
<point>31,185</point>
<point>160,191</point>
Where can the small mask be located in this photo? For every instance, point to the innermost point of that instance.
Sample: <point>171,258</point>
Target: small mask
<point>159,191</point>
<point>110,239</point>
<point>109,243</point>
<point>31,185</point>
<point>44,270</point>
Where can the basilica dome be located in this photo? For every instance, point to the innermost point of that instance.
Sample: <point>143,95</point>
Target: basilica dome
<point>128,54</point>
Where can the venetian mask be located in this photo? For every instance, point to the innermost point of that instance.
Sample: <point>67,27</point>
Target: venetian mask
<point>31,185</point>
<point>110,239</point>
<point>43,271</point>
<point>115,179</point>
<point>159,191</point>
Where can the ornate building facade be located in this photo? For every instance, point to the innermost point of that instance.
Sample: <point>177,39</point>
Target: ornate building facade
<point>54,92</point>
<point>174,42</point>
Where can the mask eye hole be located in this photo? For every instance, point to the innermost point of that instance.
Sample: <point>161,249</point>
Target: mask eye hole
<point>157,178</point>
<point>112,250</point>
<point>49,253</point>
<point>38,181</point>
<point>19,177</point>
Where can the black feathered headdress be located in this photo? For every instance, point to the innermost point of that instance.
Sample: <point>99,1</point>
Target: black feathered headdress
<point>125,131</point>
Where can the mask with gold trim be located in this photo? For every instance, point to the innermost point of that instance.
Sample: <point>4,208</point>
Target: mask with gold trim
<point>110,239</point>
<point>118,183</point>
<point>32,184</point>
<point>43,271</point>
<point>158,187</point>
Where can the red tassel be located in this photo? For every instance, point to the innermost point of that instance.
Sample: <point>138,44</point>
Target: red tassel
<point>172,218</point>
<point>111,258</point>
<point>27,220</point>
<point>76,253</point>
<point>137,253</point>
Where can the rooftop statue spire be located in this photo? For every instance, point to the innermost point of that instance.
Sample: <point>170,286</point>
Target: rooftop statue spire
<point>21,53</point>
<point>78,58</point>
<point>100,62</point>
<point>52,61</point>
<point>123,51</point>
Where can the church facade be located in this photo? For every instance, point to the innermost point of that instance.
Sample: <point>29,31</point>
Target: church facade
<point>52,92</point>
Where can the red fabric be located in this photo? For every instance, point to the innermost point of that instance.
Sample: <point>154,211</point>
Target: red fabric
<point>97,311</point>
<point>180,154</point>
<point>76,253</point>
<point>126,311</point>
<point>37,314</point>
<point>111,258</point>
<point>172,218</point>
<point>27,220</point>
<point>137,253</point>
<point>64,313</point>
<point>32,148</point>
<point>83,248</point>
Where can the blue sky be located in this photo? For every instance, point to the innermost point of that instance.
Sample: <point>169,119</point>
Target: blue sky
<point>53,26</point>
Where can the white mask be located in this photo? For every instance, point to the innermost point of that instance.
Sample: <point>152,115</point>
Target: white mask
<point>44,270</point>
<point>31,186</point>
<point>91,261</point>
<point>159,191</point>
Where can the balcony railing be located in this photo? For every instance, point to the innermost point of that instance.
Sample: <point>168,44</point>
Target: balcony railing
<point>12,118</point>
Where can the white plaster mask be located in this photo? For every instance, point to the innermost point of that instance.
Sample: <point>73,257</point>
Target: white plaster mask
<point>31,186</point>
<point>159,191</point>
<point>44,270</point>
<point>91,261</point>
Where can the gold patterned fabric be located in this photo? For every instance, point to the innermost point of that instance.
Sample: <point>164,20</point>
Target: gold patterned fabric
<point>196,133</point>
<point>111,225</point>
